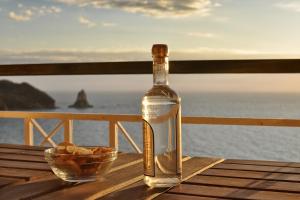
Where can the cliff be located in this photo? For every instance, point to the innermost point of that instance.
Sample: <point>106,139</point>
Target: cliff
<point>81,101</point>
<point>23,96</point>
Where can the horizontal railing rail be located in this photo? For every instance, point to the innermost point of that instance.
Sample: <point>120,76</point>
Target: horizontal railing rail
<point>145,67</point>
<point>114,120</point>
<point>74,116</point>
<point>138,118</point>
<point>241,121</point>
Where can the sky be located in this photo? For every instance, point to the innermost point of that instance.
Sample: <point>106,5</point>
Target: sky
<point>123,30</point>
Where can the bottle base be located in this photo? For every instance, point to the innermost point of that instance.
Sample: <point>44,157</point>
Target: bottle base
<point>161,182</point>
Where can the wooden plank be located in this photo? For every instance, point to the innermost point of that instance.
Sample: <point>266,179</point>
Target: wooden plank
<point>136,190</point>
<point>262,162</point>
<point>32,189</point>
<point>258,168</point>
<point>23,173</point>
<point>113,181</point>
<point>145,67</point>
<point>22,152</point>
<point>232,193</point>
<point>140,191</point>
<point>253,175</point>
<point>166,196</point>
<point>197,165</point>
<point>24,165</point>
<point>24,147</point>
<point>246,183</point>
<point>7,181</point>
<point>44,186</point>
<point>126,160</point>
<point>16,157</point>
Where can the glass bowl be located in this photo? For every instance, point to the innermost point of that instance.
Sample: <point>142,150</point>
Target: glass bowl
<point>80,168</point>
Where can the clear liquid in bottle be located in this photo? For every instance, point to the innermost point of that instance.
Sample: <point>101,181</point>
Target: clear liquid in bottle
<point>161,129</point>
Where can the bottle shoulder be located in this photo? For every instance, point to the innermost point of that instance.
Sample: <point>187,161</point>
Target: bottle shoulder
<point>162,92</point>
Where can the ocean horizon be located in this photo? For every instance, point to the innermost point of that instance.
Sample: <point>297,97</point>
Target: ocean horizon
<point>243,142</point>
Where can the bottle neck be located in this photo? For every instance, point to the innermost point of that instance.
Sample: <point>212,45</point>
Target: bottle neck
<point>160,70</point>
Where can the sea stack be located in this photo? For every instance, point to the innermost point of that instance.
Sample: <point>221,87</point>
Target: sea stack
<point>81,101</point>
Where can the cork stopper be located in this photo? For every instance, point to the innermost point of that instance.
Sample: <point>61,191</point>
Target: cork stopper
<point>160,50</point>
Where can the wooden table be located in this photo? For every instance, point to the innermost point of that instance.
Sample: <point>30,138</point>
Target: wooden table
<point>25,175</point>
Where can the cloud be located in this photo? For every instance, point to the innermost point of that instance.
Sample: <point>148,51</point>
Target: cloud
<point>44,10</point>
<point>69,55</point>
<point>108,55</point>
<point>108,24</point>
<point>291,6</point>
<point>90,24</point>
<point>27,13</point>
<point>201,34</point>
<point>155,8</point>
<point>85,21</point>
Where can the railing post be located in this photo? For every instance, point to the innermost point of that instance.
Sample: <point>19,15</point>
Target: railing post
<point>28,131</point>
<point>113,134</point>
<point>68,130</point>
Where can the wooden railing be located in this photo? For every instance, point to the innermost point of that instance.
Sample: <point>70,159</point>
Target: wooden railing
<point>66,122</point>
<point>144,67</point>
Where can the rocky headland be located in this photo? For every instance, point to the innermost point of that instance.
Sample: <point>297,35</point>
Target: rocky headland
<point>23,96</point>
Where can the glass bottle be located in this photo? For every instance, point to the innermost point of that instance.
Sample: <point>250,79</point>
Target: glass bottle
<point>161,113</point>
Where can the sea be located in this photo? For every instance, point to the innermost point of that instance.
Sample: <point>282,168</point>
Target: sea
<point>241,142</point>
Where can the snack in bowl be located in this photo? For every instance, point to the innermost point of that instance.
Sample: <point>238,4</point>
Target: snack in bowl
<point>78,164</point>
